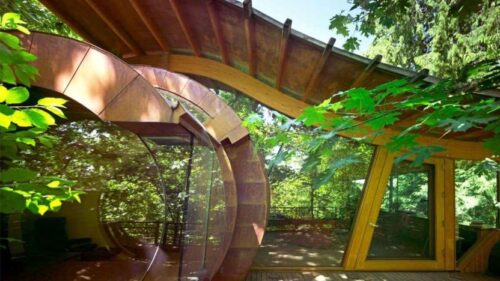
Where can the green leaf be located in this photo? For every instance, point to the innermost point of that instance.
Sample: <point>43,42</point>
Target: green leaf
<point>10,20</point>
<point>55,205</point>
<point>21,119</point>
<point>338,23</point>
<point>3,93</point>
<point>56,111</point>
<point>42,209</point>
<point>28,141</point>
<point>22,29</point>
<point>5,120</point>
<point>312,116</point>
<point>54,184</point>
<point>382,120</point>
<point>40,118</point>
<point>56,102</point>
<point>401,142</point>
<point>11,201</point>
<point>7,75</point>
<point>17,174</point>
<point>10,40</point>
<point>351,44</point>
<point>359,99</point>
<point>17,95</point>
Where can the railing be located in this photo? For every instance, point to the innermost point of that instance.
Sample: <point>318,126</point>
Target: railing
<point>303,213</point>
<point>168,234</point>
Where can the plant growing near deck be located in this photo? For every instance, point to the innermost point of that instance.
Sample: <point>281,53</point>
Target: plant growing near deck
<point>23,124</point>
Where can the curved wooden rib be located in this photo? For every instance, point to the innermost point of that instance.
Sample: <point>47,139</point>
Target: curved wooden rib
<point>267,95</point>
<point>96,79</point>
<point>252,189</point>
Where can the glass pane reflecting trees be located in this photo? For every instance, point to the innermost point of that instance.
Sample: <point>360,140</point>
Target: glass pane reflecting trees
<point>405,225</point>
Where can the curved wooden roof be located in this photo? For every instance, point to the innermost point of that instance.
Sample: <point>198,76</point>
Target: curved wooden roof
<point>236,46</point>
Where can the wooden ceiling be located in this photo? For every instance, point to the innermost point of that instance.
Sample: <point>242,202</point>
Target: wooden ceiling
<point>234,45</point>
<point>229,32</point>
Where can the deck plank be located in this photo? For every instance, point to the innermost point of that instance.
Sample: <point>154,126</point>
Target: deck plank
<point>364,276</point>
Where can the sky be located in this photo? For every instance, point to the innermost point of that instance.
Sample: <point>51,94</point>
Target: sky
<point>311,17</point>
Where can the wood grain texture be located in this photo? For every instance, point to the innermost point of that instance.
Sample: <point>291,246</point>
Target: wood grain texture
<point>185,27</point>
<point>213,13</point>
<point>283,52</point>
<point>115,27</point>
<point>320,64</point>
<point>249,27</point>
<point>151,26</point>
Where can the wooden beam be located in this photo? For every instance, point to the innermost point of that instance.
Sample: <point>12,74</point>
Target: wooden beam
<point>320,64</point>
<point>419,76</point>
<point>292,107</point>
<point>285,35</point>
<point>215,21</point>
<point>373,193</point>
<point>249,25</point>
<point>115,28</point>
<point>367,71</point>
<point>185,27</point>
<point>150,25</point>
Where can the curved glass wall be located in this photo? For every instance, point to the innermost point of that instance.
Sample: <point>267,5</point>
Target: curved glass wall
<point>405,225</point>
<point>152,207</point>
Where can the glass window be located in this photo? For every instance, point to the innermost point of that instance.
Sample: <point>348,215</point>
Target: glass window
<point>476,197</point>
<point>405,226</point>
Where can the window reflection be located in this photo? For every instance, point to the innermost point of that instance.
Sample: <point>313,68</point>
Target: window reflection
<point>405,227</point>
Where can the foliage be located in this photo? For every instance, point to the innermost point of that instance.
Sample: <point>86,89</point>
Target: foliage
<point>37,17</point>
<point>329,182</point>
<point>450,106</point>
<point>441,35</point>
<point>24,125</point>
<point>476,198</point>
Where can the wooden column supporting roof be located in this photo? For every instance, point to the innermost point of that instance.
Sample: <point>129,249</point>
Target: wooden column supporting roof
<point>242,48</point>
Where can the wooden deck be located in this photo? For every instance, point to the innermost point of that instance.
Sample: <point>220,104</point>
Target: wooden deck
<point>365,276</point>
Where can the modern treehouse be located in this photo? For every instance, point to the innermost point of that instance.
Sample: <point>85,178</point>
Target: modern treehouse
<point>174,189</point>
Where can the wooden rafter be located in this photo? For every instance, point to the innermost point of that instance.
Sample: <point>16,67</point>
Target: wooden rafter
<point>117,30</point>
<point>249,25</point>
<point>185,27</point>
<point>214,19</point>
<point>320,64</point>
<point>367,71</point>
<point>419,76</point>
<point>71,22</point>
<point>150,25</point>
<point>285,35</point>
